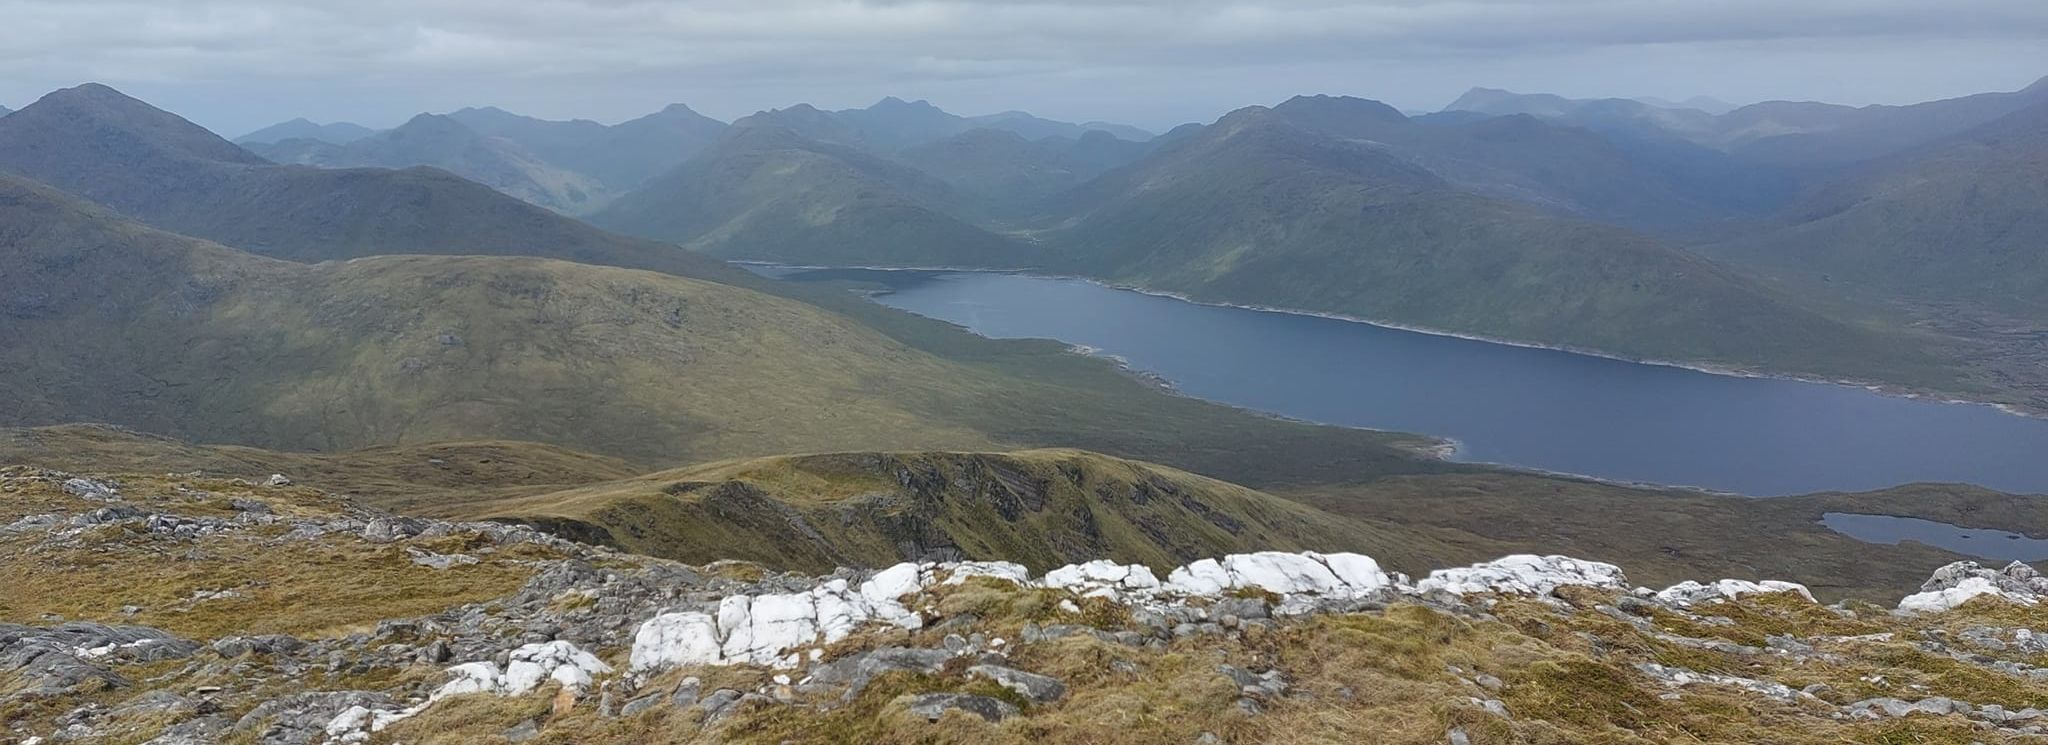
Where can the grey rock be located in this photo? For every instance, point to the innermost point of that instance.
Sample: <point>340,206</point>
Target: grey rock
<point>1038,688</point>
<point>522,732</point>
<point>638,705</point>
<point>932,706</point>
<point>686,693</point>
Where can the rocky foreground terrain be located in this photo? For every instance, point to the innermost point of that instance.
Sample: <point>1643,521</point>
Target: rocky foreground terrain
<point>185,609</point>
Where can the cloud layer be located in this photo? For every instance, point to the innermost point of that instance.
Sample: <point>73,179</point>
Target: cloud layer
<point>244,61</point>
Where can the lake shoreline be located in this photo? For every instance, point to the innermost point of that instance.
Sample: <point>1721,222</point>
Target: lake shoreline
<point>1886,389</point>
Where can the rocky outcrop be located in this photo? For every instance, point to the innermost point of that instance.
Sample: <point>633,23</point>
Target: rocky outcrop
<point>1963,581</point>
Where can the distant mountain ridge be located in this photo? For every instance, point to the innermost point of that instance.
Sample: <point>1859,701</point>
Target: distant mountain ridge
<point>153,166</point>
<point>1959,220</point>
<point>442,142</point>
<point>620,156</point>
<point>336,133</point>
<point>769,193</point>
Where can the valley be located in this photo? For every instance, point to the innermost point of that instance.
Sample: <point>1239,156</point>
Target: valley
<point>488,427</point>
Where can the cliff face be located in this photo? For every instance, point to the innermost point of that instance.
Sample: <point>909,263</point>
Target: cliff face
<point>181,609</point>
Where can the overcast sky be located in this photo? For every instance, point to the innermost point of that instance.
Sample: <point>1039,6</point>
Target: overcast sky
<point>235,65</point>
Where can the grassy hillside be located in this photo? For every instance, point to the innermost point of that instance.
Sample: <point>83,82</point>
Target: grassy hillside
<point>767,193</point>
<point>1959,221</point>
<point>1255,210</point>
<point>1042,508</point>
<point>128,325</point>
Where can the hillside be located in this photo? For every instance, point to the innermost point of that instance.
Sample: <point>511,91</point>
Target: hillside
<point>337,133</point>
<point>148,164</point>
<point>133,326</point>
<point>1958,221</point>
<point>620,156</point>
<point>1008,174</point>
<point>1255,210</point>
<point>296,616</point>
<point>767,193</point>
<point>1041,508</point>
<point>444,143</point>
<point>1568,170</point>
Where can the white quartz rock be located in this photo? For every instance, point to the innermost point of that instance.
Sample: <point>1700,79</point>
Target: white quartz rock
<point>1935,601</point>
<point>1002,570</point>
<point>1524,574</point>
<point>1096,576</point>
<point>1690,592</point>
<point>527,668</point>
<point>673,640</point>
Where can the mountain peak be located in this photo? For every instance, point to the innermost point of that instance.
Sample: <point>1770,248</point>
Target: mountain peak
<point>1344,106</point>
<point>110,119</point>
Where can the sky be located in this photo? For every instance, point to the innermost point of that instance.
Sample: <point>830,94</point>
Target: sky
<point>236,65</point>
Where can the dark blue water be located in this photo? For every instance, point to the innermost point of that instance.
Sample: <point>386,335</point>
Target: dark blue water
<point>1533,408</point>
<point>1982,543</point>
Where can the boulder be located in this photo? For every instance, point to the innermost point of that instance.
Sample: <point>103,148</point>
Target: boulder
<point>1039,689</point>
<point>1524,574</point>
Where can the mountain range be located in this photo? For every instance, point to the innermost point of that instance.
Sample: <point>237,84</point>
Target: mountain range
<point>1957,220</point>
<point>445,143</point>
<point>336,133</point>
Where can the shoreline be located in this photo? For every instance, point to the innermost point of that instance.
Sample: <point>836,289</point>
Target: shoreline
<point>1891,390</point>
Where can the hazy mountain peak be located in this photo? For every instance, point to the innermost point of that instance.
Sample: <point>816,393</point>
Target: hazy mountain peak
<point>1340,106</point>
<point>892,102</point>
<point>116,120</point>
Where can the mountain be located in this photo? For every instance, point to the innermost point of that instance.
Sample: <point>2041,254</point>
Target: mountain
<point>893,125</point>
<point>767,193</point>
<point>337,133</point>
<point>444,143</point>
<point>1564,169</point>
<point>1257,210</point>
<point>1821,136</point>
<point>1813,140</point>
<point>1031,127</point>
<point>1961,220</point>
<point>808,122</point>
<point>5,111</point>
<point>148,164</point>
<point>621,156</point>
<point>1009,173</point>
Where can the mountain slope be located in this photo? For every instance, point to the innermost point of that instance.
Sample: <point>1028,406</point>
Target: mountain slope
<point>119,323</point>
<point>1041,508</point>
<point>1519,157</point>
<point>1256,210</point>
<point>621,156</point>
<point>444,143</point>
<point>1961,220</point>
<point>337,133</point>
<point>96,143</point>
<point>767,193</point>
<point>1009,173</point>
